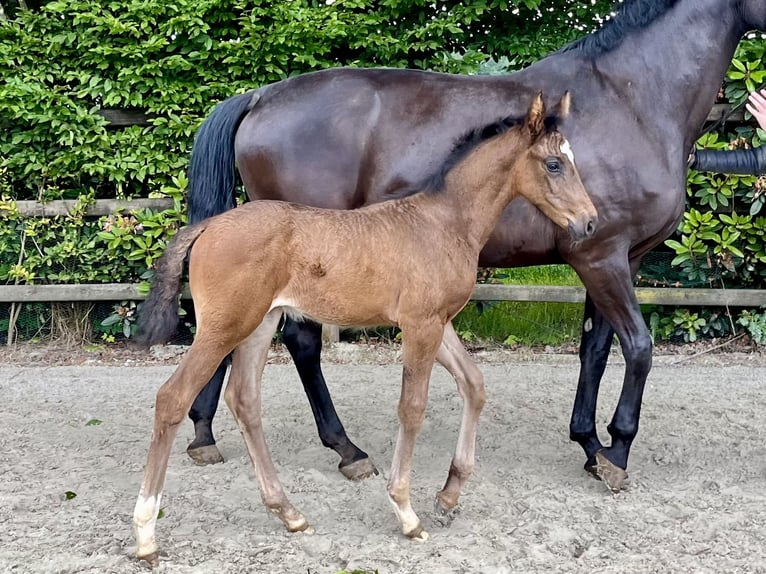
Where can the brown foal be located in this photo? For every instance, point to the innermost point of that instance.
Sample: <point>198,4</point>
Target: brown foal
<point>360,267</point>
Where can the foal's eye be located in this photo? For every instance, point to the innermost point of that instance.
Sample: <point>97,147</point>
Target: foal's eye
<point>553,165</point>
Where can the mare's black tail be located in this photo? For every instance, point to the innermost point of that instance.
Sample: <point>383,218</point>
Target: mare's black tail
<point>158,316</point>
<point>211,168</point>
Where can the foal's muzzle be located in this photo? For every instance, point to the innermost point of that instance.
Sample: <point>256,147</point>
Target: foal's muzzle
<point>583,227</point>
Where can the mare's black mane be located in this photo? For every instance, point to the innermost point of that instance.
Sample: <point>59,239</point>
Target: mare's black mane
<point>630,16</point>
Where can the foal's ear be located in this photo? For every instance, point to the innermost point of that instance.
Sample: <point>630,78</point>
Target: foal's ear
<point>536,117</point>
<point>562,108</point>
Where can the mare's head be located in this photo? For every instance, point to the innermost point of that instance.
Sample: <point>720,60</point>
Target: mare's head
<point>545,173</point>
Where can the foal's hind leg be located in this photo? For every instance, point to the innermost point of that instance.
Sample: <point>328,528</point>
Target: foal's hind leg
<point>173,401</point>
<point>243,396</point>
<point>419,345</point>
<point>470,384</point>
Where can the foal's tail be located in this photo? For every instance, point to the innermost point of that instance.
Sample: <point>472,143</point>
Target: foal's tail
<point>211,167</point>
<point>158,317</point>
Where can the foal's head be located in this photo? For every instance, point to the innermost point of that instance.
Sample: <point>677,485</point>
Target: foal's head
<point>545,173</point>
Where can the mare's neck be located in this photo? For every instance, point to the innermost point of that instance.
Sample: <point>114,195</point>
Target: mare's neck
<point>672,69</point>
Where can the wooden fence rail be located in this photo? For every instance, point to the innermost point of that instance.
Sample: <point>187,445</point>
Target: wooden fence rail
<point>127,118</point>
<point>483,292</point>
<point>98,207</point>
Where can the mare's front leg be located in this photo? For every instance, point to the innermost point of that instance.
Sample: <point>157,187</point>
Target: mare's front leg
<point>470,384</point>
<point>202,450</point>
<point>420,342</point>
<point>595,344</point>
<point>610,286</point>
<point>173,401</point>
<point>243,396</point>
<point>303,340</point>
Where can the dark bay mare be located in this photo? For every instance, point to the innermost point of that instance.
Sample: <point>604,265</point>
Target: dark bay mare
<point>642,87</point>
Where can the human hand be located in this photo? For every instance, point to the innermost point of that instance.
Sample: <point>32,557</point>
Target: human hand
<point>756,105</point>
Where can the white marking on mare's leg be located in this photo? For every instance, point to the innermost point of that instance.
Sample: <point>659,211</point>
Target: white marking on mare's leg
<point>588,325</point>
<point>144,523</point>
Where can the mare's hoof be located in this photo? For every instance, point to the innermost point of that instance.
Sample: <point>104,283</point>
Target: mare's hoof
<point>204,455</point>
<point>612,475</point>
<point>152,559</point>
<point>359,469</point>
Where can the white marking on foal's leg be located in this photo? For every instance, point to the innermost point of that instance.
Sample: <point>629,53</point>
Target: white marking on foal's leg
<point>409,520</point>
<point>144,522</point>
<point>566,149</point>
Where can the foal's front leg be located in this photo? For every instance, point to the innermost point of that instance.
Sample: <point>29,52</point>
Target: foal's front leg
<point>470,384</point>
<point>243,397</point>
<point>420,343</point>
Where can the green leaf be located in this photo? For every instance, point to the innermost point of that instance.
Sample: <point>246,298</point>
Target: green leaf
<point>111,320</point>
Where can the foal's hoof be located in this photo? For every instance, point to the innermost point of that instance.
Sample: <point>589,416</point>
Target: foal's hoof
<point>359,469</point>
<point>293,520</point>
<point>443,504</point>
<point>204,455</point>
<point>443,515</point>
<point>152,559</point>
<point>301,525</point>
<point>418,534</point>
<point>613,476</point>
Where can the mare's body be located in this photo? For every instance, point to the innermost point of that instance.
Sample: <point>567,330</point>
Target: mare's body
<point>343,138</point>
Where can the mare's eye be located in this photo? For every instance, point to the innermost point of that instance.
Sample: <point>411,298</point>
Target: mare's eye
<point>553,165</point>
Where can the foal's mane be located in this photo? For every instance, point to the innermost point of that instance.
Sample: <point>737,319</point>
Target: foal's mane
<point>630,16</point>
<point>464,145</point>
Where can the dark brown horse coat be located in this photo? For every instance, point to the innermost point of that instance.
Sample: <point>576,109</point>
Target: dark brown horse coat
<point>642,86</point>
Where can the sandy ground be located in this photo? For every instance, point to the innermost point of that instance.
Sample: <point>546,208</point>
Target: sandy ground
<point>696,500</point>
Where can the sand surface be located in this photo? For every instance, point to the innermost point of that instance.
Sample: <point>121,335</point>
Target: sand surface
<point>696,501</point>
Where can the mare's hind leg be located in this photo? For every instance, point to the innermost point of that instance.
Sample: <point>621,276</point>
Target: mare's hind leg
<point>202,450</point>
<point>303,340</point>
<point>173,401</point>
<point>243,396</point>
<point>470,384</point>
<point>420,343</point>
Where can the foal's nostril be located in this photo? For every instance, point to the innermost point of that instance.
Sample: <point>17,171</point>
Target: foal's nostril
<point>590,228</point>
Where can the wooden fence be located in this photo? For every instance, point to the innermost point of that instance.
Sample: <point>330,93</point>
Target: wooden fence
<point>482,292</point>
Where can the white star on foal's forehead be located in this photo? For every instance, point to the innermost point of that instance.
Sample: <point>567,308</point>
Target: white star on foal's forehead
<point>566,149</point>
